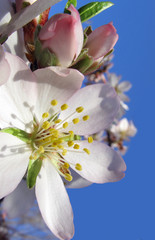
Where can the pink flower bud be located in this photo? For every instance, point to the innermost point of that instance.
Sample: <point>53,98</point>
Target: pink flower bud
<point>101,41</point>
<point>63,36</point>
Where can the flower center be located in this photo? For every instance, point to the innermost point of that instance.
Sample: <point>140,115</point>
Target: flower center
<point>51,140</point>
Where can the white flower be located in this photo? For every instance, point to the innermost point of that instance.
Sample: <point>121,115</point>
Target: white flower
<point>120,88</point>
<point>49,106</point>
<point>124,129</point>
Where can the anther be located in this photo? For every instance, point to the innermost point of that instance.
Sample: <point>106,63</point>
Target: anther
<point>64,152</point>
<point>85,118</point>
<point>64,107</point>
<point>65,125</point>
<point>78,167</point>
<point>76,146</point>
<point>86,150</point>
<point>41,150</point>
<point>57,121</point>
<point>75,120</point>
<point>45,115</point>
<point>71,133</point>
<point>70,143</point>
<point>79,109</point>
<point>46,125</point>
<point>90,139</point>
<point>68,177</point>
<point>66,165</point>
<point>54,102</point>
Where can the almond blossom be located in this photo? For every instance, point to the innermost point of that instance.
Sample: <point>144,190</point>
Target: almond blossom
<point>42,118</point>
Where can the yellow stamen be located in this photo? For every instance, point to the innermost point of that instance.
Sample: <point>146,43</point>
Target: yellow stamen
<point>66,165</point>
<point>45,115</point>
<point>46,125</point>
<point>71,133</point>
<point>64,152</point>
<point>68,177</point>
<point>54,102</point>
<point>78,167</point>
<point>41,150</point>
<point>58,121</point>
<point>79,109</point>
<point>65,125</point>
<point>90,139</point>
<point>76,146</point>
<point>86,150</point>
<point>85,118</point>
<point>70,143</point>
<point>64,107</point>
<point>76,120</point>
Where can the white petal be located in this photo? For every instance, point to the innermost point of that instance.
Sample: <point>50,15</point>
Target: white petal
<point>124,86</point>
<point>124,97</point>
<point>123,125</point>
<point>113,79</point>
<point>5,11</point>
<point>26,15</point>
<point>18,97</point>
<point>4,67</point>
<point>77,182</point>
<point>56,83</point>
<point>102,165</point>
<point>13,163</point>
<point>19,201</point>
<point>100,102</point>
<point>53,202</point>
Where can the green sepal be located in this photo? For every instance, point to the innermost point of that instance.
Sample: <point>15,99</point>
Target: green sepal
<point>83,63</point>
<point>38,49</point>
<point>82,55</point>
<point>22,135</point>
<point>74,2</point>
<point>37,31</point>
<point>33,171</point>
<point>44,57</point>
<point>88,30</point>
<point>92,9</point>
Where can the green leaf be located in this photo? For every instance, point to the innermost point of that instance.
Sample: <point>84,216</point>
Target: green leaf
<point>33,171</point>
<point>22,135</point>
<point>74,2</point>
<point>92,9</point>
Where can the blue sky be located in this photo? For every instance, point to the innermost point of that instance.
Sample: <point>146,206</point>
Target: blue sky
<point>126,210</point>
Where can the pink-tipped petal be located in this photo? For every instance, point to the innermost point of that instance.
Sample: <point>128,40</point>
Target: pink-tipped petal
<point>13,163</point>
<point>100,103</point>
<point>102,165</point>
<point>53,202</point>
<point>101,41</point>
<point>21,195</point>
